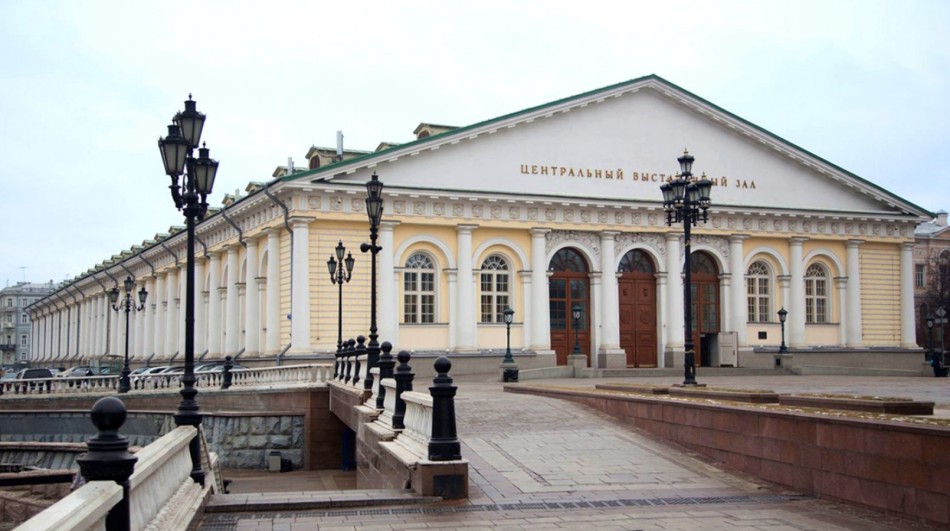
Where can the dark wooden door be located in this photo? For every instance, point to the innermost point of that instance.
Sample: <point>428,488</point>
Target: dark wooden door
<point>568,285</point>
<point>705,301</point>
<point>638,320</point>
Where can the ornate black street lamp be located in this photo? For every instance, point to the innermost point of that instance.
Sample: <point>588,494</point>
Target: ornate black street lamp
<point>687,201</point>
<point>129,305</point>
<point>374,210</point>
<point>930,332</point>
<point>191,197</point>
<point>576,314</point>
<point>340,276</point>
<point>782,315</point>
<point>509,317</point>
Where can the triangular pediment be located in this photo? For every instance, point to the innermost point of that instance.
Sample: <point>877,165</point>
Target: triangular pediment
<point>618,144</point>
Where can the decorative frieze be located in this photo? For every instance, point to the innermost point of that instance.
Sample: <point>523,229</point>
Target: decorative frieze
<point>651,240</point>
<point>589,240</point>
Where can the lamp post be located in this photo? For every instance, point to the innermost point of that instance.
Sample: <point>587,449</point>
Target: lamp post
<point>930,332</point>
<point>687,201</point>
<point>782,315</point>
<point>509,317</point>
<point>339,276</point>
<point>129,305</point>
<point>374,210</point>
<point>190,196</point>
<point>576,314</point>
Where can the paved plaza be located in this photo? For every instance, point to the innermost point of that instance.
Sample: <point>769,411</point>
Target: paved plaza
<point>542,463</point>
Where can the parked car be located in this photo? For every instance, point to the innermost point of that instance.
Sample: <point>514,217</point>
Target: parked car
<point>36,373</point>
<point>77,372</point>
<point>142,379</point>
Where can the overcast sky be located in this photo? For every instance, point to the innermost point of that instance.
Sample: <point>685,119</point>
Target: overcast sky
<point>86,89</point>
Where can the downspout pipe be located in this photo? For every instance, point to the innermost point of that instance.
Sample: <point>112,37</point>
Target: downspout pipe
<point>204,252</point>
<point>286,210</point>
<point>107,320</point>
<point>224,214</point>
<point>78,318</point>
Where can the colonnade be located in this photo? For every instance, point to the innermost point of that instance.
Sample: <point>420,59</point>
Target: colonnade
<point>238,307</point>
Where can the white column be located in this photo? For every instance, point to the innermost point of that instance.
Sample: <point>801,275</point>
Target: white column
<point>273,291</point>
<point>300,298</point>
<point>99,326</point>
<point>525,313</point>
<point>796,302</point>
<point>465,310</point>
<point>596,316</point>
<point>214,307</point>
<point>181,301</point>
<point>663,332</point>
<point>232,320</point>
<point>610,298</point>
<point>674,285</point>
<point>386,307</point>
<point>201,309</point>
<point>84,328</point>
<point>841,284</point>
<point>908,323</point>
<point>854,294</point>
<point>453,308</point>
<point>540,332</point>
<point>260,284</point>
<point>171,312</point>
<point>252,299</point>
<point>739,310</point>
<point>725,291</point>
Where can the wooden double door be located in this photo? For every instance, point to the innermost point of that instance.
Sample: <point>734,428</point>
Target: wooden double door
<point>638,309</point>
<point>638,319</point>
<point>569,286</point>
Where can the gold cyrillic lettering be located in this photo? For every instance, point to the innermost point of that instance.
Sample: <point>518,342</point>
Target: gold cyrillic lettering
<point>534,169</point>
<point>524,169</point>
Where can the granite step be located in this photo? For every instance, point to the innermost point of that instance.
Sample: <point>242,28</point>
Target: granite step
<point>313,500</point>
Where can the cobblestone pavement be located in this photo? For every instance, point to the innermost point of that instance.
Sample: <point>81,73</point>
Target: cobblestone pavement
<point>541,463</point>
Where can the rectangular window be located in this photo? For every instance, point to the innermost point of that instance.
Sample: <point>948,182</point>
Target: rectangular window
<point>23,339</point>
<point>409,314</point>
<point>919,272</point>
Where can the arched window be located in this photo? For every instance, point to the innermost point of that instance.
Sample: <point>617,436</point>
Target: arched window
<point>419,290</point>
<point>758,281</point>
<point>702,263</point>
<point>636,261</point>
<point>496,284</point>
<point>568,259</point>
<point>816,294</point>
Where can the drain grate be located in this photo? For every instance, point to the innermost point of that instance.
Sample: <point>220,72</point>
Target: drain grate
<point>228,522</point>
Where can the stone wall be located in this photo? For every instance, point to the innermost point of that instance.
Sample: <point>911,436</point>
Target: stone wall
<point>242,426</point>
<point>890,466</point>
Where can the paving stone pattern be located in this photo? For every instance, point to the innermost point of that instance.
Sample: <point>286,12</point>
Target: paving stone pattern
<point>542,463</point>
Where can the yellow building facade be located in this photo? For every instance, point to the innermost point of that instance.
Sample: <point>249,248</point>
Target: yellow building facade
<point>539,210</point>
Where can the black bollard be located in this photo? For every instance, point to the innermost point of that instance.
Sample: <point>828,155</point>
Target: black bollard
<point>226,376</point>
<point>359,351</point>
<point>348,356</point>
<point>108,458</point>
<point>444,444</point>
<point>336,362</point>
<point>385,365</point>
<point>403,376</point>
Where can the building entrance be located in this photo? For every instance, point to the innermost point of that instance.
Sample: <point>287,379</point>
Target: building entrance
<point>568,285</point>
<point>705,304</point>
<point>637,297</point>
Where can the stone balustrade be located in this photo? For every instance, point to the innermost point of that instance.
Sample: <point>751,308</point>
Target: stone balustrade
<point>162,495</point>
<point>418,421</point>
<point>284,376</point>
